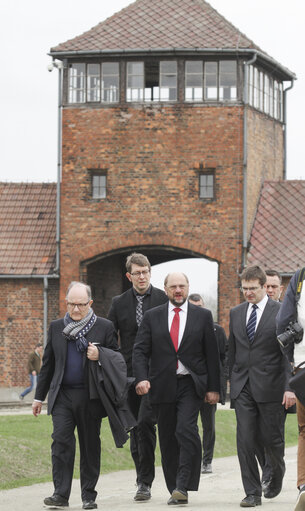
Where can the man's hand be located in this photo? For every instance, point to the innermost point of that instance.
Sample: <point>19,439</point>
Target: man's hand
<point>92,352</point>
<point>289,399</point>
<point>36,407</point>
<point>142,387</point>
<point>212,398</point>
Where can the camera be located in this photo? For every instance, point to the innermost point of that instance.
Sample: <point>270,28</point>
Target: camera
<point>293,334</point>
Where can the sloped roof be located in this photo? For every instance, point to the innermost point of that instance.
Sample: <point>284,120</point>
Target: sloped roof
<point>176,24</point>
<point>278,234</point>
<point>147,25</point>
<point>27,228</point>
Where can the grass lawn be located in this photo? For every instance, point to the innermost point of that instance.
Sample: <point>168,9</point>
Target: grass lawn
<point>25,444</point>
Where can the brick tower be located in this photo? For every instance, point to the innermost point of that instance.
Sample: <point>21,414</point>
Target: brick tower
<point>172,119</point>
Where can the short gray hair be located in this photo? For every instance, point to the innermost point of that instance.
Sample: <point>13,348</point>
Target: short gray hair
<point>76,283</point>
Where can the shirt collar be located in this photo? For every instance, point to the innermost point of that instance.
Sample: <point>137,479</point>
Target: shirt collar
<point>262,304</point>
<point>182,307</point>
<point>147,292</point>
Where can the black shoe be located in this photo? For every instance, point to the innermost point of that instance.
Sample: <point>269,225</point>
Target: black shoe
<point>89,504</point>
<point>176,502</point>
<point>274,488</point>
<point>56,501</point>
<point>265,484</point>
<point>272,491</point>
<point>180,495</point>
<point>251,501</point>
<point>143,492</point>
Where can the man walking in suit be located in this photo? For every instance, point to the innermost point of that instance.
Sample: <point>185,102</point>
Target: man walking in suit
<point>64,375</point>
<point>126,313</point>
<point>259,385</point>
<point>175,359</point>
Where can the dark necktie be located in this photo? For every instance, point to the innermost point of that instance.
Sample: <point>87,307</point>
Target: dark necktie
<point>139,309</point>
<point>250,328</point>
<point>174,331</point>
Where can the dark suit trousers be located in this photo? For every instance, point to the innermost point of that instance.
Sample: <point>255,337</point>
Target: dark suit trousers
<point>207,414</point>
<point>257,421</point>
<point>73,409</point>
<point>179,437</point>
<point>143,437</point>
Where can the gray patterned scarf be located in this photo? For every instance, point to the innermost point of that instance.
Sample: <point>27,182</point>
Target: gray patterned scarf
<point>77,330</point>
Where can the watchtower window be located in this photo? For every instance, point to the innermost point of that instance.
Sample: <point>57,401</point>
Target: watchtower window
<point>77,83</point>
<point>152,81</point>
<point>227,80</point>
<point>93,82</point>
<point>110,82</point>
<point>193,80</point>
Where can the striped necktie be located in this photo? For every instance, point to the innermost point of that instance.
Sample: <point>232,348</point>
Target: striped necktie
<point>250,328</point>
<point>139,309</point>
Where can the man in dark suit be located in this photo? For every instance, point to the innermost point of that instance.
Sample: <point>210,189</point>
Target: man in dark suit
<point>259,374</point>
<point>64,375</point>
<point>207,411</point>
<point>126,313</point>
<point>175,359</point>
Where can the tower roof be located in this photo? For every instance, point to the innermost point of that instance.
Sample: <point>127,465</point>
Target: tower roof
<point>158,26</point>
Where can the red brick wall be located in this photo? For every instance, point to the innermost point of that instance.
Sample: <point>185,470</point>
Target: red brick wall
<point>265,156</point>
<point>153,155</point>
<point>21,325</point>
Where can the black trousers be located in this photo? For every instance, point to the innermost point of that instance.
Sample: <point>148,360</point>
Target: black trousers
<point>72,410</point>
<point>143,437</point>
<point>207,414</point>
<point>259,422</point>
<point>179,438</point>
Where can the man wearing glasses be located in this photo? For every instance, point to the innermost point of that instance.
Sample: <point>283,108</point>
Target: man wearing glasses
<point>259,385</point>
<point>126,313</point>
<point>64,375</point>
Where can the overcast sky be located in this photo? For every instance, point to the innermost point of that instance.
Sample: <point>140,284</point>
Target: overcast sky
<point>28,92</point>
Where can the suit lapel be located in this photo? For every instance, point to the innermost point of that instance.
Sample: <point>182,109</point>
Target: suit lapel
<point>164,324</point>
<point>188,325</point>
<point>244,308</point>
<point>265,317</point>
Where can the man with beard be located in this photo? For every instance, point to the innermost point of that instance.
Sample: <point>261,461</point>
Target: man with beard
<point>175,359</point>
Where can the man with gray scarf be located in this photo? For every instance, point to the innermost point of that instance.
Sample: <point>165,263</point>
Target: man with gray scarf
<point>64,375</point>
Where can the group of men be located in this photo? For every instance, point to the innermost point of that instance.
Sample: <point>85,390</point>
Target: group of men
<point>177,358</point>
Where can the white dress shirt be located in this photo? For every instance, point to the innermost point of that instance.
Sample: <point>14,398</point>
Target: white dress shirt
<point>259,311</point>
<point>182,317</point>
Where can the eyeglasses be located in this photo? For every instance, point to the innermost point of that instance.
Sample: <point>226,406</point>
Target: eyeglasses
<point>80,306</point>
<point>137,274</point>
<point>251,289</point>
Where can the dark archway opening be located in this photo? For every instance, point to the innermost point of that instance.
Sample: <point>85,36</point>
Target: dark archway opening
<point>106,272</point>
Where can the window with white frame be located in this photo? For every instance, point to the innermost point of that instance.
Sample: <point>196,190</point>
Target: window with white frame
<point>265,93</point>
<point>220,80</point>
<point>210,81</point>
<point>93,82</point>
<point>206,185</point>
<point>77,83</point>
<point>99,182</point>
<point>227,80</point>
<point>152,81</point>
<point>193,80</point>
<point>110,82</point>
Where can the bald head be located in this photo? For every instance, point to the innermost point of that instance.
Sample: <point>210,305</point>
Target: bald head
<point>176,286</point>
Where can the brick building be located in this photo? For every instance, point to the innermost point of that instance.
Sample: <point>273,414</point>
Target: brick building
<point>172,119</point>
